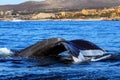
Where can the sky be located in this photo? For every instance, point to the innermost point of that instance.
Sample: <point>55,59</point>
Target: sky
<point>4,2</point>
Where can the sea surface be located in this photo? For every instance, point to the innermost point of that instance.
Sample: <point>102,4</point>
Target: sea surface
<point>17,35</point>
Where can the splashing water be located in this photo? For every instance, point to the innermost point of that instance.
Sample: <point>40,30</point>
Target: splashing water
<point>5,52</point>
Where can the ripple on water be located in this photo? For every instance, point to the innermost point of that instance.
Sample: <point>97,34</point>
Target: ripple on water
<point>18,35</point>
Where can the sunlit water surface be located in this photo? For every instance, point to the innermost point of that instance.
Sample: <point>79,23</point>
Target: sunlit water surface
<point>18,35</point>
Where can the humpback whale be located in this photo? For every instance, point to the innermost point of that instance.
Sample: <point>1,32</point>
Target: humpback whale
<point>77,50</point>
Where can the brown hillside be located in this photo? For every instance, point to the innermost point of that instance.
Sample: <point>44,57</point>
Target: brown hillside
<point>64,4</point>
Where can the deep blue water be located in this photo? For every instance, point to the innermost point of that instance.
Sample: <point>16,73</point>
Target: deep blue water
<point>18,35</point>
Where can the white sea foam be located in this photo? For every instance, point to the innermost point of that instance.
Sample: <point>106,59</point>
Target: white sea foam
<point>5,52</point>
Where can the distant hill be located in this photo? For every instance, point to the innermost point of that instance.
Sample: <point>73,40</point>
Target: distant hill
<point>61,4</point>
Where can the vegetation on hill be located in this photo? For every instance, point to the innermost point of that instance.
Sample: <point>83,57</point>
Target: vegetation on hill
<point>62,9</point>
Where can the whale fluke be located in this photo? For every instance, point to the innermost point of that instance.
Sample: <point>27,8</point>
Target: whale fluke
<point>85,45</point>
<point>54,46</point>
<point>48,47</point>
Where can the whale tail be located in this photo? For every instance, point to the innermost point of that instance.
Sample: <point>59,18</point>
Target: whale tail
<point>54,46</point>
<point>80,49</point>
<point>45,48</point>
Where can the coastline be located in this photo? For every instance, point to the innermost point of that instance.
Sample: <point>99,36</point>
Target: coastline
<point>89,19</point>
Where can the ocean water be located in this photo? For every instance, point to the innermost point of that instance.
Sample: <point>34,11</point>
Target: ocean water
<point>18,35</point>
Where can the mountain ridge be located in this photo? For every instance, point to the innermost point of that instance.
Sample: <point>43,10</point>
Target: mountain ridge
<point>61,4</point>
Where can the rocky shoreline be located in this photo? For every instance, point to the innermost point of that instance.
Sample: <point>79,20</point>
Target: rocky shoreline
<point>89,19</point>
